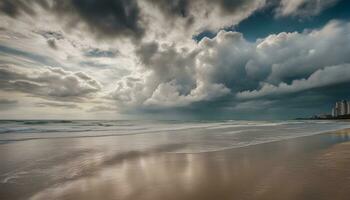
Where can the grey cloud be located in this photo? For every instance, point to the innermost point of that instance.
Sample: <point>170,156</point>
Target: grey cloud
<point>173,7</point>
<point>333,75</point>
<point>100,108</point>
<point>50,83</point>
<point>13,8</point>
<point>126,18</point>
<point>98,53</point>
<point>7,101</point>
<point>183,8</point>
<point>191,17</point>
<point>303,7</point>
<point>52,44</point>
<point>170,77</point>
<point>131,19</point>
<point>223,60</point>
<point>172,80</point>
<point>107,18</point>
<point>6,104</point>
<point>289,56</point>
<point>224,71</point>
<point>230,66</point>
<point>51,35</point>
<point>167,63</point>
<point>41,59</point>
<point>58,105</point>
<point>278,59</point>
<point>146,51</point>
<point>234,5</point>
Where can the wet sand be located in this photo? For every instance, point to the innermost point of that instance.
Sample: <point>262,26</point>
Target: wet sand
<point>313,167</point>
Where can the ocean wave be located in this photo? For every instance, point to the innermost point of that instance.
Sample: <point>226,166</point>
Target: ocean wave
<point>35,129</point>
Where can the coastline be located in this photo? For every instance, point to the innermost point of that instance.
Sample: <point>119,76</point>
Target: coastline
<point>307,167</point>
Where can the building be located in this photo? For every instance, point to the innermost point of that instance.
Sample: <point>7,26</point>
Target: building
<point>337,109</point>
<point>334,112</point>
<point>341,108</point>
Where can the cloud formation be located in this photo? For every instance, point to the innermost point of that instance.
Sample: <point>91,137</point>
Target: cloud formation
<point>303,7</point>
<point>230,65</point>
<point>50,83</point>
<point>328,76</point>
<point>139,55</point>
<point>137,19</point>
<point>58,105</point>
<point>7,104</point>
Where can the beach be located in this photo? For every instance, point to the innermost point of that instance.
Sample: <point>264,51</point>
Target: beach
<point>309,167</point>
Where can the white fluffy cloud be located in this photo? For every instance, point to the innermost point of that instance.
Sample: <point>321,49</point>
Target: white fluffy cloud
<point>50,83</point>
<point>331,75</point>
<point>230,65</point>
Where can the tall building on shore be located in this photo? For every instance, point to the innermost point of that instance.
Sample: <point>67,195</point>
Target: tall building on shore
<point>341,108</point>
<point>334,112</point>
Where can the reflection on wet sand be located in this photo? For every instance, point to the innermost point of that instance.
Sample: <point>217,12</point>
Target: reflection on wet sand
<point>316,167</point>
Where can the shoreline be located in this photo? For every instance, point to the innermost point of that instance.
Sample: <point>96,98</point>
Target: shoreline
<point>9,141</point>
<point>253,172</point>
<point>306,167</point>
<point>275,141</point>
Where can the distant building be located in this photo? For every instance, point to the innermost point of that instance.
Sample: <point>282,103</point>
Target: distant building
<point>334,112</point>
<point>337,109</point>
<point>341,108</point>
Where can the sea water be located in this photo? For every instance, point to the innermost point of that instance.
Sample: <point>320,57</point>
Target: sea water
<point>194,136</point>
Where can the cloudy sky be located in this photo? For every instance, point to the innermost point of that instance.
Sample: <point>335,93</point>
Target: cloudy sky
<point>172,59</point>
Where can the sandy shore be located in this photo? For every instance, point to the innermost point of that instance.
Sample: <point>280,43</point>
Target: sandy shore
<point>314,167</point>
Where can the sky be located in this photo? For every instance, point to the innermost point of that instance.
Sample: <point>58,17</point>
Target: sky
<point>173,59</point>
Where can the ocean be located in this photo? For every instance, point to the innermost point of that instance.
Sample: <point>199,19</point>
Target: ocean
<point>194,136</point>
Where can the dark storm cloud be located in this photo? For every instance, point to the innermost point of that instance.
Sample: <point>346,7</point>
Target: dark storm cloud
<point>182,8</point>
<point>233,5</point>
<point>13,8</point>
<point>168,64</point>
<point>146,51</point>
<point>51,35</point>
<point>206,11</point>
<point>100,53</point>
<point>105,18</point>
<point>52,43</point>
<point>108,18</point>
<point>115,18</point>
<point>173,7</point>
